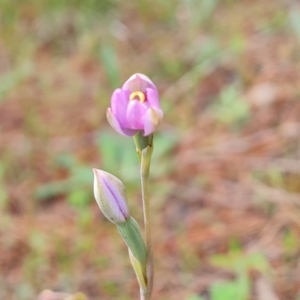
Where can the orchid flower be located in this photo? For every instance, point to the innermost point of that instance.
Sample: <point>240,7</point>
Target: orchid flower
<point>135,107</point>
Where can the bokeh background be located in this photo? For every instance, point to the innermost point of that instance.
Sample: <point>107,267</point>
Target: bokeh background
<point>225,181</point>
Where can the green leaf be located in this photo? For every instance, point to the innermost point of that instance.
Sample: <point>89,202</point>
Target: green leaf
<point>131,233</point>
<point>231,290</point>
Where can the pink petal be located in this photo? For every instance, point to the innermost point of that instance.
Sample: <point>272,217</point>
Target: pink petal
<point>135,115</point>
<point>152,119</point>
<point>119,103</point>
<point>152,97</point>
<point>112,120</point>
<point>117,202</point>
<point>138,82</point>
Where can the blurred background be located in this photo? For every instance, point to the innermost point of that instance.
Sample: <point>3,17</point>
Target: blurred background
<point>225,181</point>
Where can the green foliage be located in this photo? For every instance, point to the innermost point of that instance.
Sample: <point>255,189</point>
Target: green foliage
<point>11,79</point>
<point>241,264</point>
<point>238,289</point>
<point>118,156</point>
<point>290,242</point>
<point>3,190</point>
<point>164,144</point>
<point>228,290</point>
<point>201,11</point>
<point>231,109</point>
<point>77,186</point>
<point>273,177</point>
<point>239,261</point>
<point>102,6</point>
<point>79,197</point>
<point>13,8</point>
<point>276,178</point>
<point>38,242</point>
<point>111,288</point>
<point>108,59</point>
<point>24,291</point>
<point>294,19</point>
<point>238,43</point>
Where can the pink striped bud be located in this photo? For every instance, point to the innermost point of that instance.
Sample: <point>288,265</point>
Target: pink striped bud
<point>111,196</point>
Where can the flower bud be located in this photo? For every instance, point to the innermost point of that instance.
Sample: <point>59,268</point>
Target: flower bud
<point>135,107</point>
<point>111,196</point>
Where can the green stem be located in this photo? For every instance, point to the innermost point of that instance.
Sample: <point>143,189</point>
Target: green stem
<point>145,168</point>
<point>144,295</point>
<point>144,148</point>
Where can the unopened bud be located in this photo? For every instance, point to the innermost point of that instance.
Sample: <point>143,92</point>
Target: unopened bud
<point>111,196</point>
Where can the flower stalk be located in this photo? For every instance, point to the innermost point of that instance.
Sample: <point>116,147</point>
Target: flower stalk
<point>144,148</point>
